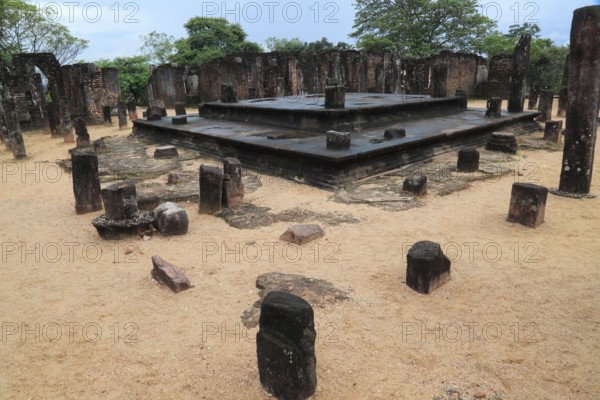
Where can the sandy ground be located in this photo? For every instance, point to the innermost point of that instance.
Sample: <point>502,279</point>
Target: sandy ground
<point>82,318</point>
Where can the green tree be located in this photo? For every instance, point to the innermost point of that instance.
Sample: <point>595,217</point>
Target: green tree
<point>297,47</point>
<point>209,38</point>
<point>24,28</point>
<point>420,28</point>
<point>134,73</point>
<point>158,47</point>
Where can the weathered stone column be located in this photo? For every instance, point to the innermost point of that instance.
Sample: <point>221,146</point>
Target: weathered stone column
<point>122,111</point>
<point>120,201</point>
<point>106,115</point>
<point>83,137</point>
<point>15,138</point>
<point>211,189</point>
<point>335,96</point>
<point>132,109</point>
<point>439,76</point>
<point>233,188</point>
<point>180,109</point>
<point>553,131</point>
<point>228,94</point>
<point>4,128</point>
<point>563,95</point>
<point>582,108</point>
<point>285,346</point>
<point>519,75</point>
<point>494,107</point>
<point>54,119</point>
<point>65,121</point>
<point>545,106</point>
<point>86,181</point>
<point>534,94</point>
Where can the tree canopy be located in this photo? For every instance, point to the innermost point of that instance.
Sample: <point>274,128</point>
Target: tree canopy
<point>134,73</point>
<point>210,38</point>
<point>24,28</point>
<point>296,46</point>
<point>158,47</point>
<point>420,28</point>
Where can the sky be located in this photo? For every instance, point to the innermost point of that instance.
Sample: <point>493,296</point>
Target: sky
<point>114,28</point>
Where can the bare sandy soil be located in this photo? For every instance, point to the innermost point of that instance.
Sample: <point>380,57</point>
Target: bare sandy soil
<point>83,319</point>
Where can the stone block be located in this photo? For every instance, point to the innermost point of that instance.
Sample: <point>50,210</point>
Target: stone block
<point>527,204</point>
<point>302,234</point>
<point>170,219</point>
<point>169,275</point>
<point>427,267</point>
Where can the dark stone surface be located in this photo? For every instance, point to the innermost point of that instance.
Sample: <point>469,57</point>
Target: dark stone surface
<point>416,184</point>
<point>120,201</point>
<point>468,160</point>
<point>427,267</point>
<point>534,95</point>
<point>111,229</point>
<point>228,94</point>
<point>132,110</point>
<point>545,106</point>
<point>494,108</point>
<point>54,119</point>
<point>302,234</point>
<point>527,204</point>
<point>553,131</point>
<point>394,133</point>
<point>582,108</point>
<point>464,96</point>
<point>81,132</point>
<point>563,94</point>
<point>169,275</point>
<point>211,189</point>
<point>285,347</point>
<point>335,97</point>
<point>15,139</point>
<point>519,74</point>
<point>147,202</point>
<point>100,146</point>
<point>439,76</point>
<point>154,113</point>
<point>106,115</point>
<point>122,114</point>
<point>180,120</point>
<point>504,142</point>
<point>338,140</point>
<point>233,188</point>
<point>166,152</point>
<point>86,181</point>
<point>180,109</point>
<point>170,219</point>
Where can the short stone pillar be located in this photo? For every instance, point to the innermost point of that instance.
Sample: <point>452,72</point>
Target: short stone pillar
<point>228,94</point>
<point>416,183</point>
<point>180,109</point>
<point>154,113</point>
<point>439,76</point>
<point>427,268</point>
<point>17,144</point>
<point>494,108</point>
<point>166,152</point>
<point>285,346</point>
<point>132,110</point>
<point>54,119</point>
<point>169,275</point>
<point>86,181</point>
<point>527,204</point>
<point>504,142</point>
<point>81,132</point>
<point>464,98</point>
<point>106,115</point>
<point>338,140</point>
<point>545,106</point>
<point>233,188</point>
<point>120,201</point>
<point>553,131</point>
<point>100,146</point>
<point>170,219</point>
<point>533,99</point>
<point>179,120</point>
<point>122,112</point>
<point>468,160</point>
<point>211,189</point>
<point>335,97</point>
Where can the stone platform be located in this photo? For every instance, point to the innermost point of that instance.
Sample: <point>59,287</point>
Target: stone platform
<point>432,127</point>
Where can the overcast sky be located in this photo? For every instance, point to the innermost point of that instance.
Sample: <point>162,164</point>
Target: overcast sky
<point>113,28</point>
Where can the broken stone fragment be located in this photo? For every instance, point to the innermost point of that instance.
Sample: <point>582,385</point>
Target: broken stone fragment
<point>468,160</point>
<point>100,146</point>
<point>504,142</point>
<point>415,183</point>
<point>180,109</point>
<point>166,151</point>
<point>527,204</point>
<point>169,275</point>
<point>427,267</point>
<point>154,113</point>
<point>302,234</point>
<point>233,188</point>
<point>170,219</point>
<point>394,133</point>
<point>147,202</point>
<point>338,140</point>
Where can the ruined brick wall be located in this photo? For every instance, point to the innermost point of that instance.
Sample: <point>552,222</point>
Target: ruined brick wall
<point>499,74</point>
<point>168,84</point>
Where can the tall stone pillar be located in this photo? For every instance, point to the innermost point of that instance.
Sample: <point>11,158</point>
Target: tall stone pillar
<point>519,75</point>
<point>439,76</point>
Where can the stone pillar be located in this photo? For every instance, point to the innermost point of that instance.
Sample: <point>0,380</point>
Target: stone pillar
<point>464,98</point>
<point>65,119</point>
<point>553,131</point>
<point>545,106</point>
<point>505,142</point>
<point>285,346</point>
<point>154,113</point>
<point>120,201</point>
<point>527,204</point>
<point>233,188</point>
<point>519,75</point>
<point>180,109</point>
<point>122,110</point>
<point>15,138</point>
<point>4,128</point>
<point>427,267</point>
<point>335,97</point>
<point>338,140</point>
<point>494,107</point>
<point>582,108</point>
<point>132,109</point>
<point>415,183</point>
<point>563,95</point>
<point>468,160</point>
<point>86,181</point>
<point>106,115</point>
<point>81,132</point>
<point>54,119</point>
<point>439,76</point>
<point>228,94</point>
<point>211,189</point>
<point>533,98</point>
